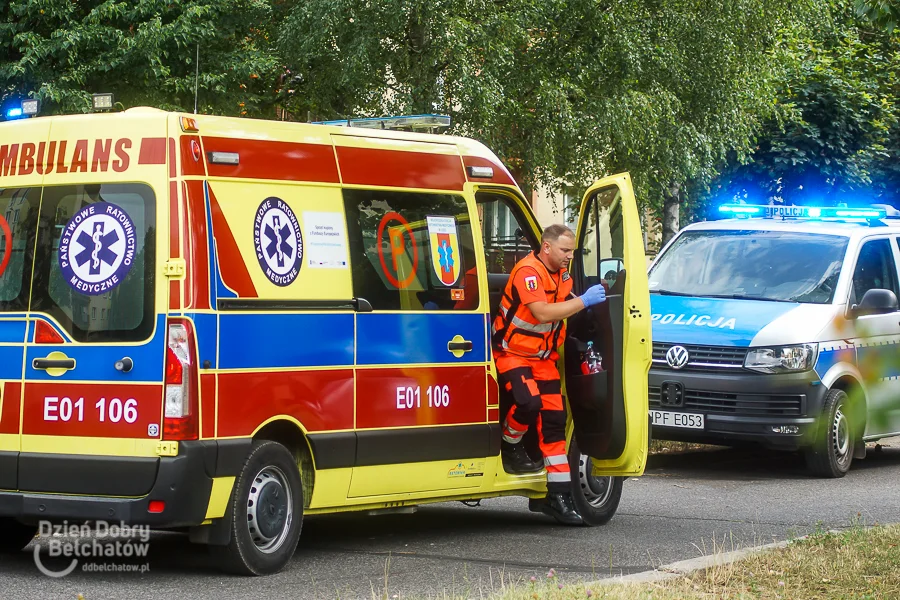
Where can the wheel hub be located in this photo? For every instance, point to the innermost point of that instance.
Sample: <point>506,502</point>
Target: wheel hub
<point>596,490</point>
<point>269,509</point>
<point>841,434</point>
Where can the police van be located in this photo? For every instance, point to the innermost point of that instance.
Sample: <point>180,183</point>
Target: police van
<point>224,325</point>
<point>779,325</point>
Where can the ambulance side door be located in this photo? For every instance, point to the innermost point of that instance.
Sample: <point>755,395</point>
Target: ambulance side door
<point>609,409</point>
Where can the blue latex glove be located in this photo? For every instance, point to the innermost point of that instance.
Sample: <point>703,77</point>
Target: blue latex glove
<point>593,295</point>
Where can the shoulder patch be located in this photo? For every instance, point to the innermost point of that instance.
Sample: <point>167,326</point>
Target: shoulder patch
<point>531,283</point>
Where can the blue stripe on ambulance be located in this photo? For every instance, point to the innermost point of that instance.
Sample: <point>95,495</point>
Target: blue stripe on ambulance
<point>12,332</point>
<point>396,339</point>
<point>206,328</point>
<point>259,341</point>
<point>711,321</point>
<point>11,362</point>
<point>880,358</point>
<point>221,290</point>
<point>94,362</point>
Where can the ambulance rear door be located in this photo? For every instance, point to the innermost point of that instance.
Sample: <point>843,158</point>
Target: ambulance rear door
<point>20,197</point>
<point>610,408</point>
<point>96,339</point>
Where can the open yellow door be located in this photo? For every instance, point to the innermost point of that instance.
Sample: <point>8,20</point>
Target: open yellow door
<point>609,409</point>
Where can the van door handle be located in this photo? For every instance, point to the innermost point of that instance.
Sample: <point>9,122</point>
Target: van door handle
<point>464,345</point>
<point>53,363</point>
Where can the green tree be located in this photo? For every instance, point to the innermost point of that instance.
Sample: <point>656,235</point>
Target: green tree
<point>144,51</point>
<point>838,138</point>
<point>563,90</point>
<point>883,13</point>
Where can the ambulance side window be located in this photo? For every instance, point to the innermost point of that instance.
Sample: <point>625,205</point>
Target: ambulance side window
<point>875,269</point>
<point>411,251</point>
<point>506,236</point>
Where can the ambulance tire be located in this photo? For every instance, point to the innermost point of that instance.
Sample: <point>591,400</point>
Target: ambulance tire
<point>831,453</point>
<point>596,498</point>
<point>270,478</point>
<point>14,535</point>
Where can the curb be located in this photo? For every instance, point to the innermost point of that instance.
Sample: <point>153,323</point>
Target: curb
<point>685,567</point>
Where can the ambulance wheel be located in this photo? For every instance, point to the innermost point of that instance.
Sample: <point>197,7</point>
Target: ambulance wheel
<point>14,536</point>
<point>832,450</point>
<point>596,498</point>
<point>265,514</point>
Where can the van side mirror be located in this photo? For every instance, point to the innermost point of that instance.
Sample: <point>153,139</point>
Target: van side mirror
<point>875,302</point>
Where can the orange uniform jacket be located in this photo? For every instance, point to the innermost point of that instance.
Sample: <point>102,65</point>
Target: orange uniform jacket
<point>516,331</point>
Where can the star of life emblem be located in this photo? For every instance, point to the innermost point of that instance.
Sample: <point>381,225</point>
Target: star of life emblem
<point>97,248</point>
<point>278,241</point>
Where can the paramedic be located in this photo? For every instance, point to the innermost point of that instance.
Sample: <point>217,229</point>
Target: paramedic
<point>527,332</point>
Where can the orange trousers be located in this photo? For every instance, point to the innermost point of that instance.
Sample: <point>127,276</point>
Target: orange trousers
<point>537,398</point>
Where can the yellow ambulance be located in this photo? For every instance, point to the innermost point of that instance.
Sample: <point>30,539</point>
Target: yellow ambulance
<point>227,324</point>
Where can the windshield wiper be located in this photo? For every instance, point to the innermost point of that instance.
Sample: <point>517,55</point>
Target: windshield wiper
<point>741,297</point>
<point>670,293</point>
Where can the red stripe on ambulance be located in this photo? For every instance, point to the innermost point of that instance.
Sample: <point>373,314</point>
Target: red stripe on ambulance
<point>395,168</point>
<point>174,244</point>
<point>419,396</point>
<point>9,418</point>
<point>320,400</point>
<point>199,254</point>
<point>501,174</point>
<point>92,410</point>
<point>153,151</point>
<point>208,405</point>
<point>284,161</point>
<point>231,263</point>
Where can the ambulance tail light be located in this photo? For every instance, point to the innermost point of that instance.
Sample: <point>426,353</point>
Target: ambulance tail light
<point>181,409</point>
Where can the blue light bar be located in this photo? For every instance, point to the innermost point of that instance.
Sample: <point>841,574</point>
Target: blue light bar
<point>741,209</point>
<point>802,212</point>
<point>14,113</point>
<point>427,121</point>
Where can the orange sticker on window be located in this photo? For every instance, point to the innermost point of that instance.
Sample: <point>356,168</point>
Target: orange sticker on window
<point>457,294</point>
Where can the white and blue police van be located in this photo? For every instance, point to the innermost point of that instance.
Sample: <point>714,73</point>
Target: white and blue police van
<point>779,325</point>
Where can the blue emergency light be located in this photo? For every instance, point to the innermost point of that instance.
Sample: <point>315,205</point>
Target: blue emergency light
<point>801,212</point>
<point>25,109</point>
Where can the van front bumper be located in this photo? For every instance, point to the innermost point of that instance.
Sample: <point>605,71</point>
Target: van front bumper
<point>79,488</point>
<point>779,411</point>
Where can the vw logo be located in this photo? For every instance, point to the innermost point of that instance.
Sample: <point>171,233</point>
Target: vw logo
<point>677,357</point>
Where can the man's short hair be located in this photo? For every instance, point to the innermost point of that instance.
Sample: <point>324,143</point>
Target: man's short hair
<point>554,232</point>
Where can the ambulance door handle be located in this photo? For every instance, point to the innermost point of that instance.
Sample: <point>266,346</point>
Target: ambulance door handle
<point>464,345</point>
<point>53,363</point>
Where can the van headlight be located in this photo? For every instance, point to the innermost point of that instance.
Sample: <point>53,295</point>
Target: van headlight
<point>783,359</point>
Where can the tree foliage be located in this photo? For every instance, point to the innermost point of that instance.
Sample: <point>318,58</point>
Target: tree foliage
<point>563,90</point>
<point>838,135</point>
<point>144,51</point>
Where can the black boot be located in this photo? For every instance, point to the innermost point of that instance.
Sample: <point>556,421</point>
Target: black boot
<point>516,459</point>
<point>561,508</point>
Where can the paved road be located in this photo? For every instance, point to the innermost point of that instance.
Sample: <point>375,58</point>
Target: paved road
<point>685,506</point>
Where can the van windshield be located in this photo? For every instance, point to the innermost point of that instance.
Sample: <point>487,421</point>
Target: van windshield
<point>760,265</point>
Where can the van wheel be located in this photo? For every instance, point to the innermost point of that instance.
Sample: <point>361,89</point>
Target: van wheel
<point>15,535</point>
<point>832,450</point>
<point>596,498</point>
<point>265,515</point>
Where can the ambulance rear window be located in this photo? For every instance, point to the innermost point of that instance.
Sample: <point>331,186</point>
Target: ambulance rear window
<point>411,251</point>
<point>95,261</point>
<point>18,219</point>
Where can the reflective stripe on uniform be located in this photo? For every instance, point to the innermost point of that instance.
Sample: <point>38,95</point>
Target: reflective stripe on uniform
<point>556,460</point>
<point>559,477</point>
